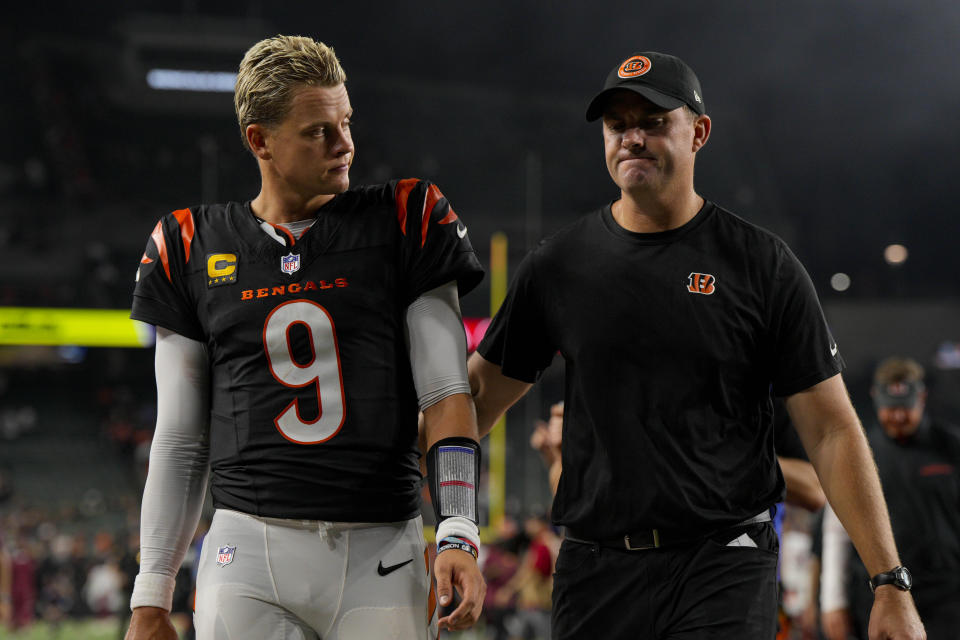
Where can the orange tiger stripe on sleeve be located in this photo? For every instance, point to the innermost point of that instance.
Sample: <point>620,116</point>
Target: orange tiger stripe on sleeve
<point>185,218</point>
<point>429,202</point>
<point>450,217</point>
<point>161,243</point>
<point>401,194</point>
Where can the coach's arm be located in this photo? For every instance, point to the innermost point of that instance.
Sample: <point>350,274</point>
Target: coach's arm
<point>493,392</point>
<point>834,440</point>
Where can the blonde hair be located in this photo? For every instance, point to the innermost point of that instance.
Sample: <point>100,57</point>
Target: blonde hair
<point>270,72</point>
<point>898,369</point>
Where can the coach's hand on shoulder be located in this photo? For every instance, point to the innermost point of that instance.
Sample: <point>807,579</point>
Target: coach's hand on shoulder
<point>894,616</point>
<point>151,623</point>
<point>458,569</point>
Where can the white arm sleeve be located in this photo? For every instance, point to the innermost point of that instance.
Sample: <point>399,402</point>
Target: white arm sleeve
<point>177,477</point>
<point>833,563</point>
<point>437,345</point>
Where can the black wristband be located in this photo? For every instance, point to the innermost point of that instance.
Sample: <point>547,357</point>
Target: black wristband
<point>453,470</point>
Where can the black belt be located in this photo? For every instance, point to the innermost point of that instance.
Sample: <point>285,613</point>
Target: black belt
<point>655,538</point>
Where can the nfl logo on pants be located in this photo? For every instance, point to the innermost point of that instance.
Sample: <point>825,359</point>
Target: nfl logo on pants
<point>290,263</point>
<point>225,555</point>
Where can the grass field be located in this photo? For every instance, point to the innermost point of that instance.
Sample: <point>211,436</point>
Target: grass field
<point>99,629</point>
<point>109,629</point>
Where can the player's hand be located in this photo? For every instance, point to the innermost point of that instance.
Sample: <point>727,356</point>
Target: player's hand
<point>455,569</point>
<point>894,616</point>
<point>836,624</point>
<point>151,623</point>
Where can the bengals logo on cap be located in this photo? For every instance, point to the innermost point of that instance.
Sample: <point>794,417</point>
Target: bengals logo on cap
<point>634,66</point>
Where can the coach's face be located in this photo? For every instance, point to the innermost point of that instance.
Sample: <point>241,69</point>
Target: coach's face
<point>649,148</point>
<point>311,150</point>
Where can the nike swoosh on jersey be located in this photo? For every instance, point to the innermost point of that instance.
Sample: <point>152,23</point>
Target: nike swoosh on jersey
<point>385,571</point>
<point>461,231</point>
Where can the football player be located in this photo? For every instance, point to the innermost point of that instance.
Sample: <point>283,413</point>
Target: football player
<point>298,336</point>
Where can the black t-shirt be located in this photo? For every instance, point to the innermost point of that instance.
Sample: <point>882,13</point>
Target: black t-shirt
<point>921,482</point>
<point>672,343</point>
<point>313,410</point>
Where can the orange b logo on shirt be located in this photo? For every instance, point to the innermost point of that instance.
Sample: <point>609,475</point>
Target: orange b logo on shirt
<point>701,283</point>
<point>634,66</point>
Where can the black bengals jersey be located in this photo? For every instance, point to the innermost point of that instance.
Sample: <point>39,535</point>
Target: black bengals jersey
<point>313,410</point>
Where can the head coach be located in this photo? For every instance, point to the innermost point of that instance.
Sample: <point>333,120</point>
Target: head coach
<point>677,320</point>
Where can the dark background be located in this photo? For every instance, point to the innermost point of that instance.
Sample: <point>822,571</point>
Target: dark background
<point>834,125</point>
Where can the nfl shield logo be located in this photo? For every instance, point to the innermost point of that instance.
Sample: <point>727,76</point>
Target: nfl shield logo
<point>225,554</point>
<point>290,263</point>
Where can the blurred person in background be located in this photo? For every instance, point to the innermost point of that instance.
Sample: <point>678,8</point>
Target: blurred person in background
<point>547,440</point>
<point>298,334</point>
<point>6,584</point>
<point>918,457</point>
<point>103,590</point>
<point>802,490</point>
<point>62,573</point>
<point>834,588</point>
<point>676,319</point>
<point>129,567</point>
<point>808,622</point>
<point>499,563</point>
<point>23,582</point>
<point>530,588</point>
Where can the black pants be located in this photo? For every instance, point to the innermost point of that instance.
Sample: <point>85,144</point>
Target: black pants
<point>701,591</point>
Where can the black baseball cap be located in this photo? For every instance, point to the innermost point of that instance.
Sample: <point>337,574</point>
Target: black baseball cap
<point>897,394</point>
<point>664,80</point>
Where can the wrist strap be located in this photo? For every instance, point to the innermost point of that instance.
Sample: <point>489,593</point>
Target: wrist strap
<point>458,543</point>
<point>458,528</point>
<point>899,577</point>
<point>152,590</point>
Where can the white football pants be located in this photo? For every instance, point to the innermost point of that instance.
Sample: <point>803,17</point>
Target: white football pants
<point>277,579</point>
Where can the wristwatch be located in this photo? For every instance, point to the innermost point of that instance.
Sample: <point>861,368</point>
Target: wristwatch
<point>898,576</point>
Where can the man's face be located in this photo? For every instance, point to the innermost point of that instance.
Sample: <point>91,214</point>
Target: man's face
<point>901,422</point>
<point>311,150</point>
<point>649,148</point>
